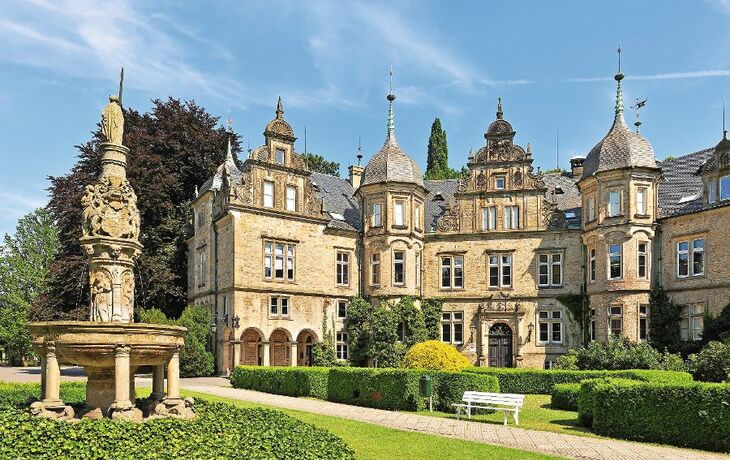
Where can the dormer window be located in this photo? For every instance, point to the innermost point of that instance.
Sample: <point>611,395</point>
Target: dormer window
<point>725,188</point>
<point>499,182</point>
<point>280,156</point>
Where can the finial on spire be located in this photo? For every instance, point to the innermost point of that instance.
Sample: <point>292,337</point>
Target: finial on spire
<point>121,86</point>
<point>229,125</point>
<point>279,109</point>
<point>529,148</point>
<point>500,114</point>
<point>359,150</point>
<point>391,119</point>
<point>229,152</point>
<point>619,94</point>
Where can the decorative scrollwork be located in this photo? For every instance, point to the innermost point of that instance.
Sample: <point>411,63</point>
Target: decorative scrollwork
<point>450,220</point>
<point>110,209</point>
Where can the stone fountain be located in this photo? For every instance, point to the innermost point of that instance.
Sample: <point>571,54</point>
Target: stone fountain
<point>110,346</point>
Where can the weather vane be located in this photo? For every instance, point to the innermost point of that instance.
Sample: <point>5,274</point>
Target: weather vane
<point>639,104</point>
<point>619,58</point>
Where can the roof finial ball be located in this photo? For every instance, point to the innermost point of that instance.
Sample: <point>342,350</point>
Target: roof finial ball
<point>391,96</point>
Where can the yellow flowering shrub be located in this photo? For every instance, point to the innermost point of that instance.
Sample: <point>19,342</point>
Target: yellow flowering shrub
<point>436,355</point>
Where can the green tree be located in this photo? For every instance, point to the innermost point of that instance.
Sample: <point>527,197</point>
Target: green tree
<point>437,162</point>
<point>432,317</point>
<point>358,328</point>
<point>317,163</point>
<point>664,331</point>
<point>385,348</point>
<point>411,323</point>
<point>717,328</point>
<point>24,261</point>
<point>174,148</point>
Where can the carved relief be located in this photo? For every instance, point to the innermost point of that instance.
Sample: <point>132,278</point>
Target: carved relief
<point>449,222</point>
<point>101,296</point>
<point>110,209</point>
<point>127,297</point>
<point>481,182</point>
<point>517,179</point>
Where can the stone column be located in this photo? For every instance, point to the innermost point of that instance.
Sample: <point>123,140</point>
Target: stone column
<point>267,354</point>
<point>293,357</point>
<point>121,377</point>
<point>52,377</point>
<point>236,354</point>
<point>158,382</point>
<point>43,375</point>
<point>173,376</point>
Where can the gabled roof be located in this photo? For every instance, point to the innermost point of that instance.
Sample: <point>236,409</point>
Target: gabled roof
<point>338,199</point>
<point>680,190</point>
<point>440,192</point>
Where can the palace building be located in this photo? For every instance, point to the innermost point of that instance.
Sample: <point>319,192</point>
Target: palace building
<point>278,250</point>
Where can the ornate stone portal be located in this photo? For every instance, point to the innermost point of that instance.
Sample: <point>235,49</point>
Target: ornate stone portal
<point>109,346</point>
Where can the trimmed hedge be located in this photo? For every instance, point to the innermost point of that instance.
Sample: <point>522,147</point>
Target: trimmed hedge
<point>565,396</point>
<point>289,381</point>
<point>11,394</point>
<point>586,397</point>
<point>219,431</point>
<point>384,388</point>
<point>541,381</point>
<point>398,389</point>
<point>688,415</point>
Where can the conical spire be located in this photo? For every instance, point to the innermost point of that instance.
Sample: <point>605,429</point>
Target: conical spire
<point>279,109</point>
<point>390,139</point>
<point>229,152</point>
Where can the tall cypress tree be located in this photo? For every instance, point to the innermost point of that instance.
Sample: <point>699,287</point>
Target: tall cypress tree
<point>437,163</point>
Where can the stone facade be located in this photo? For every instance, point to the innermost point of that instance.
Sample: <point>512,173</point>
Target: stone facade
<point>277,249</point>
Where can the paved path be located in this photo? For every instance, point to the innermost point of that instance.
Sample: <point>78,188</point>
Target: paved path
<point>565,445</point>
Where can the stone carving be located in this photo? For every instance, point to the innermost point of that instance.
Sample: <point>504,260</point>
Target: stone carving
<point>39,409</point>
<point>517,179</point>
<point>127,300</point>
<point>110,209</point>
<point>101,296</point>
<point>481,182</point>
<point>449,221</point>
<point>112,121</point>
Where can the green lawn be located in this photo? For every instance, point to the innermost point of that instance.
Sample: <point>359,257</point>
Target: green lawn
<point>376,442</point>
<point>536,414</point>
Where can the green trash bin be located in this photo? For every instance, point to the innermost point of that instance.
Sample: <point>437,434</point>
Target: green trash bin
<point>426,386</point>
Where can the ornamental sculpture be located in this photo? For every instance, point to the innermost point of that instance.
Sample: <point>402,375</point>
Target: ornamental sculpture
<point>112,121</point>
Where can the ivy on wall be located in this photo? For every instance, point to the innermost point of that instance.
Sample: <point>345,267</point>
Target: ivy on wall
<point>578,306</point>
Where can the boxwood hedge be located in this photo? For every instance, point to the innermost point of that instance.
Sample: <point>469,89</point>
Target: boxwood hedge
<point>384,388</point>
<point>541,381</point>
<point>220,431</point>
<point>289,381</point>
<point>565,396</point>
<point>689,415</point>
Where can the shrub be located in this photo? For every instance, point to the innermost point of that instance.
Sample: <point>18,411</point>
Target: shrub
<point>323,352</point>
<point>712,364</point>
<point>586,401</point>
<point>541,381</point>
<point>689,415</point>
<point>432,317</point>
<point>619,354</point>
<point>219,431</point>
<point>289,381</point>
<point>435,355</point>
<point>717,328</point>
<point>565,396</point>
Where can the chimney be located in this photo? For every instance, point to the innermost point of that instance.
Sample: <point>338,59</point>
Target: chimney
<point>576,167</point>
<point>355,175</point>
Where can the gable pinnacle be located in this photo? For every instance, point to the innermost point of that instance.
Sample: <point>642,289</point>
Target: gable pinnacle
<point>500,114</point>
<point>229,152</point>
<point>279,109</point>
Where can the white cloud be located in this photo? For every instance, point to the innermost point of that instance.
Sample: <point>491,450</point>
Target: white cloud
<point>722,5</point>
<point>14,205</point>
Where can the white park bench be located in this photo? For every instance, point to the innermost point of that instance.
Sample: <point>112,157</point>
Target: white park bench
<point>495,401</point>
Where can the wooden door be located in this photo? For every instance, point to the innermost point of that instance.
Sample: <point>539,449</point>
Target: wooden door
<point>250,347</point>
<point>500,346</point>
<point>279,348</point>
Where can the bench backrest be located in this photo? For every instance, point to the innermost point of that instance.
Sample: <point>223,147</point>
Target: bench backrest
<point>507,399</point>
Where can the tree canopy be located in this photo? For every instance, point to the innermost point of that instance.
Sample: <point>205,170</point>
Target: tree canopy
<point>317,163</point>
<point>24,261</point>
<point>173,148</point>
<point>437,162</point>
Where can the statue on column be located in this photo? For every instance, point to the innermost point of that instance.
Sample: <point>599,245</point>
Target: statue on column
<point>112,121</point>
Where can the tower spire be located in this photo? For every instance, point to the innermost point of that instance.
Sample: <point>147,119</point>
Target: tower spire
<point>619,94</point>
<point>229,152</point>
<point>391,119</point>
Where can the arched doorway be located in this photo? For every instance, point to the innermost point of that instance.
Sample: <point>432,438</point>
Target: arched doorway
<point>280,349</point>
<point>305,340</point>
<point>500,345</point>
<point>252,348</point>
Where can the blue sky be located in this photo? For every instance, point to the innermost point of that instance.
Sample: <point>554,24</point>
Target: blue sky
<point>551,62</point>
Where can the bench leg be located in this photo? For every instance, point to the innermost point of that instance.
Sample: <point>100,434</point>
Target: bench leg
<point>458,412</point>
<point>468,412</point>
<point>504,412</point>
<point>516,416</point>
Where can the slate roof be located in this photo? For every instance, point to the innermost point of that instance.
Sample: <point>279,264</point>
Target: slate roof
<point>338,198</point>
<point>440,192</point>
<point>620,148</point>
<point>216,181</point>
<point>680,190</point>
<point>568,201</point>
<point>392,164</point>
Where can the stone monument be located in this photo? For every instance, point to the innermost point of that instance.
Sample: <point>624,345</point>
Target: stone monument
<point>110,346</point>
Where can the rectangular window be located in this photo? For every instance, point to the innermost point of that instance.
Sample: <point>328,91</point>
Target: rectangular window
<point>591,209</point>
<point>683,259</point>
<point>291,198</point>
<point>202,267</point>
<point>341,349</point>
<point>417,217</point>
<point>592,265</point>
<point>489,218</point>
<point>725,188</point>
<point>614,204</point>
<point>643,322</point>
<point>398,213</point>
<point>279,307</point>
<point>342,309</point>
<point>614,261</point>
<point>499,182</point>
<point>641,201</point>
<point>511,217</point>
<point>418,269</point>
<point>616,320</point>
<point>698,257</point>
<point>452,327</point>
<point>377,222</point>
<point>691,258</point>
<point>277,256</point>
<point>375,269</point>
<point>343,268</point>
<point>452,272</point>
<point>550,269</point>
<point>592,325</point>
<point>712,191</point>
<point>399,268</point>
<point>268,194</point>
<point>280,156</point>
<point>691,322</point>
<point>643,262</point>
<point>500,270</point>
<point>550,326</point>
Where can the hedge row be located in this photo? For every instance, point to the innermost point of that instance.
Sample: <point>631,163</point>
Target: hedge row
<point>12,394</point>
<point>296,381</point>
<point>219,431</point>
<point>391,389</point>
<point>688,415</point>
<point>565,396</point>
<point>541,381</point>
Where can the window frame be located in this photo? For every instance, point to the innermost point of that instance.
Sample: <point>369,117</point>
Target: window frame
<point>489,218</point>
<point>643,321</point>
<point>646,255</point>
<point>497,179</point>
<point>643,192</point>
<point>692,318</point>
<point>500,265</point>
<point>342,268</point>
<point>338,305</point>
<point>511,217</point>
<point>591,205</point>
<point>609,255</point>
<point>288,199</point>
<point>279,306</point>
<point>277,151</point>
<point>288,258</point>
<point>615,317</point>
<point>402,263</point>
<point>375,269</point>
<point>609,201</point>
<point>399,204</point>
<point>723,192</point>
<point>377,217</point>
<point>549,265</point>
<point>272,195</point>
<point>342,346</point>
<point>452,323</point>
<point>452,270</point>
<point>592,265</point>
<point>553,317</point>
<point>690,255</point>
